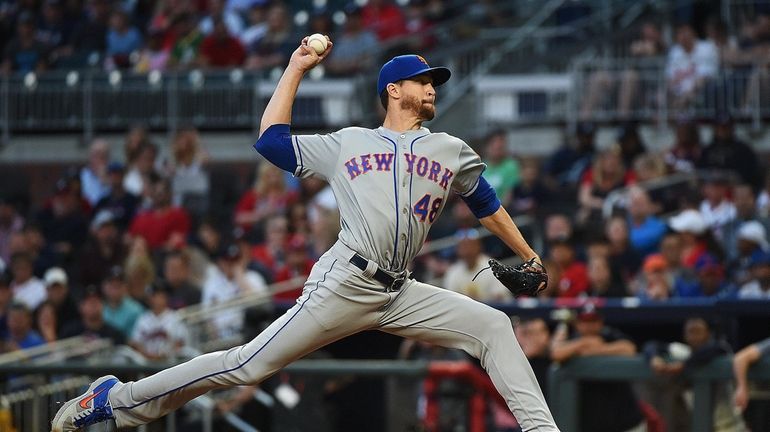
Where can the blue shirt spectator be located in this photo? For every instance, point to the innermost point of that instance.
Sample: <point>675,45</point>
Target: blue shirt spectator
<point>645,229</point>
<point>122,40</point>
<point>20,333</point>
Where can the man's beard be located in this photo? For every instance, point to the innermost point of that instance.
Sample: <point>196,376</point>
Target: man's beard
<point>424,111</point>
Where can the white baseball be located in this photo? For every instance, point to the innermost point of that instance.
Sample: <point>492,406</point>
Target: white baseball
<point>318,42</point>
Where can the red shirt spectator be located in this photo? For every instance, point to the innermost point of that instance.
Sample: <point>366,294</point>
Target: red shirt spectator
<point>220,49</point>
<point>573,275</point>
<point>162,225</point>
<point>272,253</point>
<point>298,263</point>
<point>384,18</point>
<point>267,197</point>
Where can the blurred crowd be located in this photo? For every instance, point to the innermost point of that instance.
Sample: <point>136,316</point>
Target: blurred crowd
<point>705,66</point>
<point>159,35</point>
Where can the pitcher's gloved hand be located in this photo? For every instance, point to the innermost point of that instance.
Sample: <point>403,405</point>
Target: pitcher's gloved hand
<point>525,279</point>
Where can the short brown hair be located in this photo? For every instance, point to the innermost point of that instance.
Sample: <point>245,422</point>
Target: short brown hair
<point>384,99</point>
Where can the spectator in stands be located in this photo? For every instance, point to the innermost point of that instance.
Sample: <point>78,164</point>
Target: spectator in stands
<point>606,175</point>
<point>602,280</point>
<point>137,136</point>
<point>623,258</point>
<point>752,397</point>
<point>123,40</point>
<point>574,275</point>
<point>226,280</point>
<point>759,286</point>
<point>298,264</point>
<point>189,176</point>
<point>604,406</point>
<point>140,270</point>
<point>11,222</point>
<point>159,334</point>
<point>649,166</point>
<point>463,276</point>
<point>691,63</point>
<point>686,151</point>
<point>696,238</point>
<point>751,238</point>
<point>93,176</point>
<point>534,336</point>
<point>6,298</point>
<point>121,204</point>
<point>629,82</point>
<point>502,170</point>
<point>266,198</point>
<point>55,30</point>
<point>217,11</point>
<point>176,275</point>
<point>152,56</point>
<point>46,322</point>
<point>710,280</point>
<point>220,49</point>
<point>272,253</point>
<point>557,226</point>
<point>140,172</point>
<point>672,360</point>
<point>27,289</point>
<point>64,221</point>
<point>20,333</point>
<point>24,53</point>
<point>187,45</point>
<point>59,295</point>
<point>163,226</point>
<point>671,249</point>
<point>716,208</point>
<point>354,48</point>
<point>566,166</point>
<point>91,324</point>
<point>274,48</point>
<point>89,40</point>
<point>120,310</point>
<point>31,241</point>
<point>727,152</point>
<point>419,36</point>
<point>531,193</point>
<point>258,26</point>
<point>745,203</point>
<point>655,281</point>
<point>385,19</point>
<point>630,143</point>
<point>298,219</point>
<point>103,250</point>
<point>646,229</point>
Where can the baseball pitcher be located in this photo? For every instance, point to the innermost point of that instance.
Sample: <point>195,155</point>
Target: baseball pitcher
<point>391,184</point>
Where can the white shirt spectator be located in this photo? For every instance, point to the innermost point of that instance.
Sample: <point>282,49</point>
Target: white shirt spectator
<point>189,180</point>
<point>31,293</point>
<point>160,335</point>
<point>485,288</point>
<point>133,182</point>
<point>752,290</point>
<point>719,216</point>
<point>217,288</point>
<point>232,20</point>
<point>683,69</point>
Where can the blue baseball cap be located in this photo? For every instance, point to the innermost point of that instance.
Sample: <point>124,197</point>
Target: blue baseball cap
<point>407,66</point>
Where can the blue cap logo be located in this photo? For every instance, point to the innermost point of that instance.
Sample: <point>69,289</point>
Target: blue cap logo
<point>408,66</point>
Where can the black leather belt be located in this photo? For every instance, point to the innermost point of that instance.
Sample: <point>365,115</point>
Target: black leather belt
<point>391,283</point>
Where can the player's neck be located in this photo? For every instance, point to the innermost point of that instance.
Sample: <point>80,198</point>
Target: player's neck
<point>401,122</point>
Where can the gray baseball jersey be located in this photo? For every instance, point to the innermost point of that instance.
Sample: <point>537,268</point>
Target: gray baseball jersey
<point>390,188</point>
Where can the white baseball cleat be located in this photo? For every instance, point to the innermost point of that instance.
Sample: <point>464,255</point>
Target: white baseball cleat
<point>90,408</point>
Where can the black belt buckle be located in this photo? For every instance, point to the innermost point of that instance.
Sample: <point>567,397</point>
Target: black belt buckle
<point>398,282</point>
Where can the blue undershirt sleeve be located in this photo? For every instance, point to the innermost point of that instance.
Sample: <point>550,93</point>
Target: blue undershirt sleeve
<point>482,200</point>
<point>275,145</point>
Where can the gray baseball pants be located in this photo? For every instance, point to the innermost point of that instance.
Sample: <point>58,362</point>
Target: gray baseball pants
<point>339,300</point>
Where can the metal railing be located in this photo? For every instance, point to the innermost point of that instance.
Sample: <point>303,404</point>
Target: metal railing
<point>564,382</point>
<point>91,101</point>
